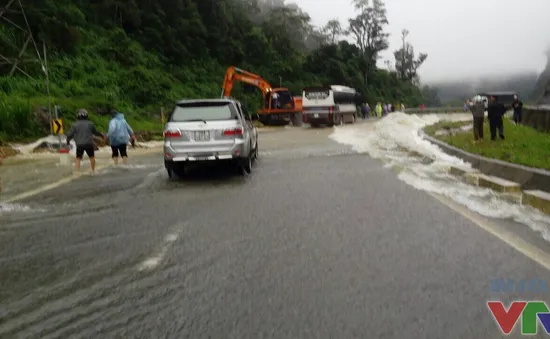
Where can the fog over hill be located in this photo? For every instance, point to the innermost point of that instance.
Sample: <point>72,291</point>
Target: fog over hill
<point>529,84</point>
<point>523,83</point>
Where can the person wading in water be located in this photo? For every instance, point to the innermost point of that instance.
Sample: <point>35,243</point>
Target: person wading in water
<point>83,131</point>
<point>120,134</point>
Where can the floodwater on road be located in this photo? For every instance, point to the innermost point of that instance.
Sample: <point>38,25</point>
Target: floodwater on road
<point>320,241</point>
<point>393,137</point>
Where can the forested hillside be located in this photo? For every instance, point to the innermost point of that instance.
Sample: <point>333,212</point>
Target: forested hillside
<point>141,55</point>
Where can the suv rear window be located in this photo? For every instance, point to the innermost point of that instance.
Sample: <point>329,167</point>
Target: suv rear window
<point>204,111</point>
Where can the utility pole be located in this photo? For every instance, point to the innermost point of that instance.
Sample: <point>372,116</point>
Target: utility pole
<point>45,70</point>
<point>8,13</point>
<point>17,61</point>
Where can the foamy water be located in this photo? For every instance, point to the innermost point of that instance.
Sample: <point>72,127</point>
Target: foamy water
<point>391,139</point>
<point>27,150</point>
<point>12,208</point>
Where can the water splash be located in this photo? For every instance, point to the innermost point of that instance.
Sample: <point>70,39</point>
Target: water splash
<point>6,208</point>
<point>392,140</point>
<point>28,150</point>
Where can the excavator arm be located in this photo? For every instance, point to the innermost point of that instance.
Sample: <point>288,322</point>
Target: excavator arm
<point>236,74</point>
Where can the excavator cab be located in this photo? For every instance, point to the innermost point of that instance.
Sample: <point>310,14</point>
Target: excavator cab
<point>278,99</point>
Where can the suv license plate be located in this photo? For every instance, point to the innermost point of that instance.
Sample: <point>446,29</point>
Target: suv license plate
<point>202,135</point>
<point>316,115</point>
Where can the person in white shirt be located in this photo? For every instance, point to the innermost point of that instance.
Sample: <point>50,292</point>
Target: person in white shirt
<point>275,100</point>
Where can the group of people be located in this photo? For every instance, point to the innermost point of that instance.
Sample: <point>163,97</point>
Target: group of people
<point>495,113</point>
<point>380,109</point>
<point>119,135</point>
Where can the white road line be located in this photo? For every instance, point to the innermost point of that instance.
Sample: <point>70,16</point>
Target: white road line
<point>154,260</point>
<point>529,250</point>
<point>48,187</point>
<point>66,180</point>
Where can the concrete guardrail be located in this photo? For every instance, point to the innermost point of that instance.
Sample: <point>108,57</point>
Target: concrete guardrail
<point>526,185</point>
<point>432,110</point>
<point>537,117</point>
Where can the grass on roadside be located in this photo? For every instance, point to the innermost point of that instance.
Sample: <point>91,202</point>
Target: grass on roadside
<point>523,145</point>
<point>442,125</point>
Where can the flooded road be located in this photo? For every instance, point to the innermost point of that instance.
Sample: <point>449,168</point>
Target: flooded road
<point>321,241</point>
<point>426,169</point>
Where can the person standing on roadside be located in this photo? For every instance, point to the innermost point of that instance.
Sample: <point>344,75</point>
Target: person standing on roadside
<point>364,111</point>
<point>83,131</point>
<point>495,111</point>
<point>478,112</point>
<point>517,105</point>
<point>378,110</point>
<point>120,133</point>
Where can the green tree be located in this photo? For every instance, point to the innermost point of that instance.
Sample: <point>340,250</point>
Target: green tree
<point>406,63</point>
<point>140,55</point>
<point>333,30</point>
<point>367,29</point>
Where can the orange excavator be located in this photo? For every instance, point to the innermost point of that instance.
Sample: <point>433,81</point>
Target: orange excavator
<point>279,106</point>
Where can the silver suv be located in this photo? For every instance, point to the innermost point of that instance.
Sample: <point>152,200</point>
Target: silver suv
<point>208,130</point>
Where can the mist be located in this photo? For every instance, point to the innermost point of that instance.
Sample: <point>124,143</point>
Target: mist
<point>289,16</point>
<point>529,84</point>
<point>456,71</point>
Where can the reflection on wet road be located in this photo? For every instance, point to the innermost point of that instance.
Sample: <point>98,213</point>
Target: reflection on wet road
<point>318,242</point>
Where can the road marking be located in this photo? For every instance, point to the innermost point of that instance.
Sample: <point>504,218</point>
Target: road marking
<point>48,187</point>
<point>529,250</point>
<point>64,181</point>
<point>154,260</point>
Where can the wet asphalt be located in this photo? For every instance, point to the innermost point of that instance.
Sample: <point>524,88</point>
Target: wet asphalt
<point>319,242</point>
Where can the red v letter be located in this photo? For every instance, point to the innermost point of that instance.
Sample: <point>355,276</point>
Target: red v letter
<point>506,319</point>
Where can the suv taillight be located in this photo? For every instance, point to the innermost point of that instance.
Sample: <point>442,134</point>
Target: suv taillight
<point>330,110</point>
<point>234,132</point>
<point>172,134</point>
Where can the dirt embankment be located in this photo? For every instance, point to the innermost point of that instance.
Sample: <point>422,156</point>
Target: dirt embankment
<point>7,151</point>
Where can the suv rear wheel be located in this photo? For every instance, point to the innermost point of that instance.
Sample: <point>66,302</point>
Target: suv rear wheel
<point>244,166</point>
<point>174,170</point>
<point>179,171</point>
<point>247,164</point>
<point>255,153</point>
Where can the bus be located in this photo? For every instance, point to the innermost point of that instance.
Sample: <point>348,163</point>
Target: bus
<point>329,105</point>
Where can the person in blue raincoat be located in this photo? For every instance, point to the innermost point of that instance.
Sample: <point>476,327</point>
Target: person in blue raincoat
<point>119,134</point>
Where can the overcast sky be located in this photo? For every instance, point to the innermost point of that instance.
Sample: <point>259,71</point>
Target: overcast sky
<point>462,38</point>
